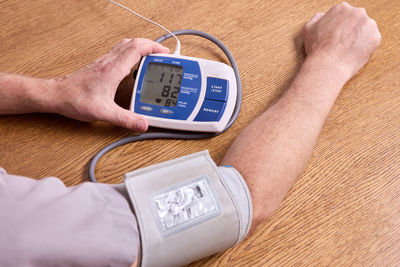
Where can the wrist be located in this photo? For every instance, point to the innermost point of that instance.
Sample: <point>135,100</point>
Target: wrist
<point>318,83</point>
<point>21,94</point>
<point>43,95</point>
<point>328,67</point>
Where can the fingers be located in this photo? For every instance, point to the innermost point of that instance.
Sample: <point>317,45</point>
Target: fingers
<point>314,19</point>
<point>332,13</point>
<point>317,17</point>
<point>128,52</point>
<point>376,36</point>
<point>139,43</point>
<point>138,47</point>
<point>126,119</point>
<point>146,46</point>
<point>117,63</point>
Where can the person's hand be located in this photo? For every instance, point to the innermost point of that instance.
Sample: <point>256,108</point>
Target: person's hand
<point>88,94</point>
<point>345,36</point>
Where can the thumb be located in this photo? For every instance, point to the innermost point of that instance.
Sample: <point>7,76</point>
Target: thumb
<point>126,119</point>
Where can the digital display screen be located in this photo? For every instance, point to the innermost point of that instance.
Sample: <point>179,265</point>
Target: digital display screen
<point>161,84</point>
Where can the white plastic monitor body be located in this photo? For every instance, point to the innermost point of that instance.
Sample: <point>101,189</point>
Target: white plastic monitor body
<point>209,112</point>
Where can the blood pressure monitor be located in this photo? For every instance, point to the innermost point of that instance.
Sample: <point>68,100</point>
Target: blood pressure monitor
<point>184,93</point>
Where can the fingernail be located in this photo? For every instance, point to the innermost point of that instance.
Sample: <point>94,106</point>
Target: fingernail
<point>142,125</point>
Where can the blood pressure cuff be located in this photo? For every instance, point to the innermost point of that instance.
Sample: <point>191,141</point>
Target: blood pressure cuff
<point>188,209</point>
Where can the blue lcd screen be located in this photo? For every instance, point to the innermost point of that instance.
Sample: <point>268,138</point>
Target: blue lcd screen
<point>168,87</point>
<point>161,84</point>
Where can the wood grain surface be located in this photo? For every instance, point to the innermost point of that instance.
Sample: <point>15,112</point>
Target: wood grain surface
<point>343,210</point>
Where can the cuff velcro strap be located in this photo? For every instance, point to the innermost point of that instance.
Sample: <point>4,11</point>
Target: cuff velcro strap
<point>188,209</point>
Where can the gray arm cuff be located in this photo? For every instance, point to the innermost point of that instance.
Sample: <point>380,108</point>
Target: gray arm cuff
<point>240,195</point>
<point>188,204</point>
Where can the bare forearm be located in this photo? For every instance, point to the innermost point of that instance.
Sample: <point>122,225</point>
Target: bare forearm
<point>274,149</point>
<point>20,94</point>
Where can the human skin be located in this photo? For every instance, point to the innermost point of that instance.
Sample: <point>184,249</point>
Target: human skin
<point>273,150</point>
<point>87,94</point>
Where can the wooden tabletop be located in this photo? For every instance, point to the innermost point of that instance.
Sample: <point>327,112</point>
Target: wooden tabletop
<point>343,210</point>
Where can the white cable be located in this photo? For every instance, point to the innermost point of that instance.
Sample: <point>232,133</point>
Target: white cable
<point>178,43</point>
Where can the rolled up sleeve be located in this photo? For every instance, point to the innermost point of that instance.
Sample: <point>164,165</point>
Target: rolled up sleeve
<point>45,223</point>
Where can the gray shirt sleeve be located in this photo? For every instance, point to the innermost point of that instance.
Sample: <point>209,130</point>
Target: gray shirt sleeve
<point>44,223</point>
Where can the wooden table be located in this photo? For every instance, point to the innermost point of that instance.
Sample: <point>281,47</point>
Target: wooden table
<point>343,210</point>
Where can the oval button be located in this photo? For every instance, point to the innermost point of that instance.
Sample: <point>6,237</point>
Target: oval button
<point>146,108</point>
<point>166,111</point>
